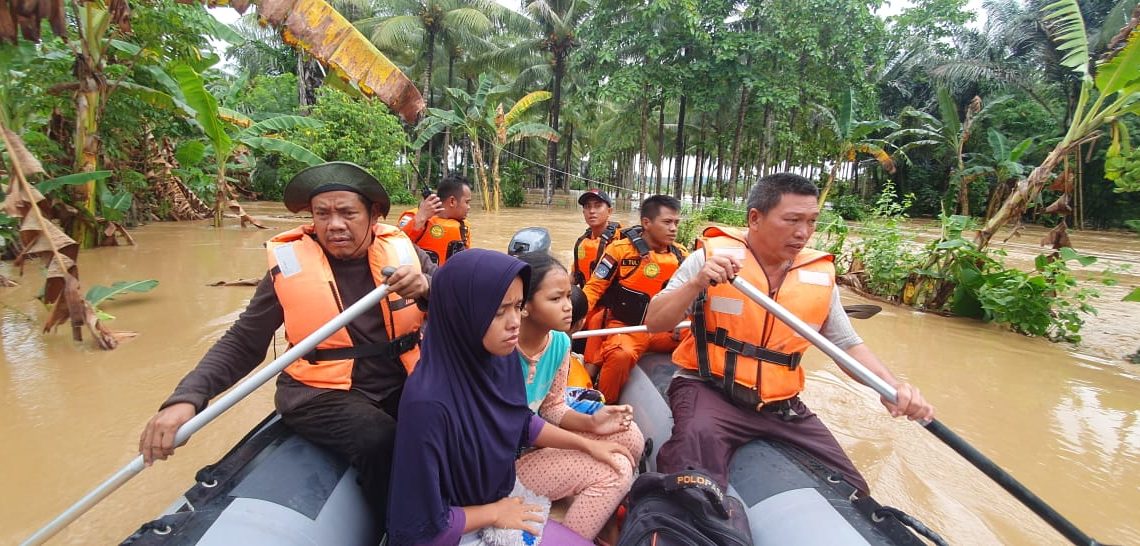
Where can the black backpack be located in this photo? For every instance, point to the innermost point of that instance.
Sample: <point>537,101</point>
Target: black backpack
<point>683,509</point>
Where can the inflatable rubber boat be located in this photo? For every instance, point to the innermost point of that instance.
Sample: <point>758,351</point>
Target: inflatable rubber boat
<point>274,487</point>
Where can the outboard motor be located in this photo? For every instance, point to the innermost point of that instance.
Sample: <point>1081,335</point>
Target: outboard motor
<point>531,239</point>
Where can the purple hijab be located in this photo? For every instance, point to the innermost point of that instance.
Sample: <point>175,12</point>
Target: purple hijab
<point>463,414</point>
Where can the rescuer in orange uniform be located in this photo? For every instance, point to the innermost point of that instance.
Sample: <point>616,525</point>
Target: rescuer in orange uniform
<point>439,224</point>
<point>588,250</point>
<point>632,271</point>
<point>343,395</point>
<point>740,369</point>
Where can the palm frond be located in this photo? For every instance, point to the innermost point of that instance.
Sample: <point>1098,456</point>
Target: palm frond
<point>466,20</point>
<point>397,33</point>
<point>524,104</point>
<point>1067,29</point>
<point>531,130</point>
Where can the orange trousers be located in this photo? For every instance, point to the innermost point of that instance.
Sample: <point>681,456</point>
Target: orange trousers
<point>620,353</point>
<point>595,320</point>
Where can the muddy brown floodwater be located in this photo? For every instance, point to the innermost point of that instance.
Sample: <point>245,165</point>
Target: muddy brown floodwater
<point>1064,420</point>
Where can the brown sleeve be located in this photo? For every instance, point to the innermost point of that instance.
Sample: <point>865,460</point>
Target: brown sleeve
<point>429,268</point>
<point>237,353</point>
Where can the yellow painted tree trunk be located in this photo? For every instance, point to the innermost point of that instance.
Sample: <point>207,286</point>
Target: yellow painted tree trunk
<point>481,170</point>
<point>86,142</point>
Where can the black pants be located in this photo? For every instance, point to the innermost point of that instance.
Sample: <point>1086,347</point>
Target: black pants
<point>358,429</point>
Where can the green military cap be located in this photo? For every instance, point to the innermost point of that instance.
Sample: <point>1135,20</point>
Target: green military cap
<point>334,176</point>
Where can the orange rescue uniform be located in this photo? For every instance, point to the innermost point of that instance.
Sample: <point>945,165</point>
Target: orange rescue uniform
<point>754,355</point>
<point>588,251</point>
<point>626,278</point>
<point>440,238</point>
<point>304,284</point>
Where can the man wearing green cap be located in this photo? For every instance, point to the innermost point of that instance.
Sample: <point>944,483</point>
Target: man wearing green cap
<point>345,393</point>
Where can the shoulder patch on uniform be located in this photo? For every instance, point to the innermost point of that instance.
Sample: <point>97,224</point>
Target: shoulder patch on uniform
<point>404,220</point>
<point>605,267</point>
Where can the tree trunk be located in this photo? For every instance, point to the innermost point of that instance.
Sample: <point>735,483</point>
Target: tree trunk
<point>569,153</point>
<point>719,166</point>
<point>481,172</point>
<point>555,108</point>
<point>699,163</point>
<point>447,132</point>
<point>642,174</point>
<point>679,167</point>
<point>766,140</point>
<point>738,140</point>
<point>497,199</point>
<point>86,143</point>
<point>426,89</point>
<point>660,146</point>
<point>1022,194</point>
<point>220,194</point>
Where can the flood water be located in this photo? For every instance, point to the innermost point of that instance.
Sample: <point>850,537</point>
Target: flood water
<point>1064,420</point>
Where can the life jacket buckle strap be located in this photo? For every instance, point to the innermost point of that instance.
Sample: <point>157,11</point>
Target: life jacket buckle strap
<point>720,337</point>
<point>389,350</point>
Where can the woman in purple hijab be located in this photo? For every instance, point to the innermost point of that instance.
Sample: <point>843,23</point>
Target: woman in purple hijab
<point>464,415</point>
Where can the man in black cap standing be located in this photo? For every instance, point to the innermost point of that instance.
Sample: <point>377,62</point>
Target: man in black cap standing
<point>588,250</point>
<point>344,395</point>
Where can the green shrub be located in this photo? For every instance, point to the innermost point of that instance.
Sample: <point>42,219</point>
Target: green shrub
<point>885,252</point>
<point>1046,302</point>
<point>850,207</point>
<point>1134,225</point>
<point>267,96</point>
<point>830,237</point>
<point>512,178</point>
<point>361,131</point>
<point>725,212</point>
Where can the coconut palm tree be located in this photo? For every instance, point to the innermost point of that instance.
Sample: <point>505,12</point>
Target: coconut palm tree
<point>550,36</point>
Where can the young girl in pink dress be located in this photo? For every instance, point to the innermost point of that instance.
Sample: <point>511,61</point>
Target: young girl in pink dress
<point>544,354</point>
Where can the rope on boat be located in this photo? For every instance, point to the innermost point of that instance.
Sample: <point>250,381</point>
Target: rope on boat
<point>910,521</point>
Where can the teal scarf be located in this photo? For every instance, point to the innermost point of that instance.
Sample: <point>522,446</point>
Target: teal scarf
<point>545,369</point>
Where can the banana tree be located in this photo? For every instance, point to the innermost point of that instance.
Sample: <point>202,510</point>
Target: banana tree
<point>853,138</point>
<point>949,133</point>
<point>1003,163</point>
<point>473,116</point>
<point>1105,99</point>
<point>212,120</point>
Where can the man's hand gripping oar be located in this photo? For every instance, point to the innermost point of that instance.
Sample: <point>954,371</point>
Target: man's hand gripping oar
<point>896,398</point>
<point>167,441</point>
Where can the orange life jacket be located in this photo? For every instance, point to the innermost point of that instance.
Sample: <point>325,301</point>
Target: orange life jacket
<point>304,283</point>
<point>441,238</point>
<point>737,341</point>
<point>589,249</point>
<point>640,274</point>
<point>578,376</point>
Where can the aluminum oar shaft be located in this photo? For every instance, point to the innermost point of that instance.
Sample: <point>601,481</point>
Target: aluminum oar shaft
<point>621,330</point>
<point>240,391</point>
